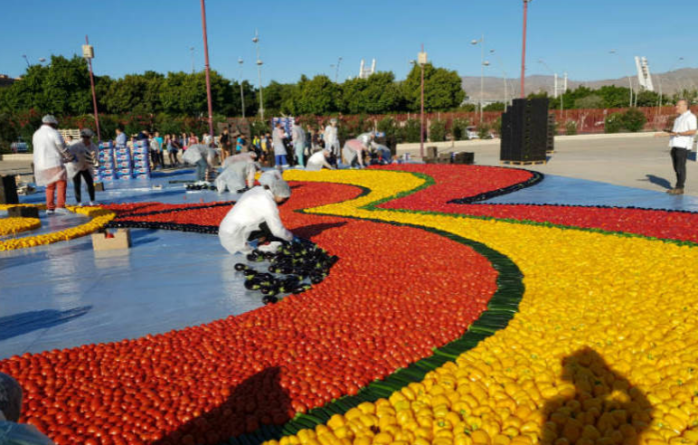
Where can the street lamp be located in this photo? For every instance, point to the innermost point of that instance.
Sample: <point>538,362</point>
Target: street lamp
<point>26,60</point>
<point>208,71</point>
<point>555,87</point>
<point>630,80</point>
<point>422,60</point>
<point>88,53</point>
<point>659,77</point>
<point>42,59</point>
<point>481,42</point>
<point>242,95</point>
<point>255,40</point>
<point>336,75</point>
<point>504,77</point>
<point>191,50</point>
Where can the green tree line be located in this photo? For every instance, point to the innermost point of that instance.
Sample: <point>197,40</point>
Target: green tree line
<point>62,87</point>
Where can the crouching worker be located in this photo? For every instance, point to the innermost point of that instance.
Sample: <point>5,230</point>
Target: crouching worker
<point>202,157</point>
<point>319,160</point>
<point>353,152</point>
<point>237,177</point>
<point>256,217</point>
<point>11,432</point>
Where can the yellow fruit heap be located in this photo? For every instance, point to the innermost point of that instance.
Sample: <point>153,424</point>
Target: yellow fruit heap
<point>603,350</point>
<point>99,218</point>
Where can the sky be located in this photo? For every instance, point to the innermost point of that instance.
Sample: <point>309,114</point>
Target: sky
<point>308,36</point>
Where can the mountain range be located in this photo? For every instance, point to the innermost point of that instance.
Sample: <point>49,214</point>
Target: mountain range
<point>493,87</point>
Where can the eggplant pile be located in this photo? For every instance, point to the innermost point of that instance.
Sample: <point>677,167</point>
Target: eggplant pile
<point>200,187</point>
<point>292,269</point>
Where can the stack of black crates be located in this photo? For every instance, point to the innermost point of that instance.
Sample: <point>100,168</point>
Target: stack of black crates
<point>525,131</point>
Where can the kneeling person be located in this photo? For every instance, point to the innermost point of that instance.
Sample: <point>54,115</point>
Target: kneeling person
<point>255,217</point>
<point>319,160</point>
<point>237,177</point>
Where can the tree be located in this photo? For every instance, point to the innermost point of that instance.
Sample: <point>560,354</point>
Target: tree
<point>496,106</point>
<point>589,102</point>
<point>442,89</point>
<point>317,96</point>
<point>379,94</point>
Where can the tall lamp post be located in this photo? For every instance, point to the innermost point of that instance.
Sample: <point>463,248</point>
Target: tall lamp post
<point>659,77</point>
<point>481,42</point>
<point>191,50</point>
<point>242,95</point>
<point>26,59</point>
<point>208,71</point>
<point>88,53</point>
<point>555,87</point>
<point>630,80</point>
<point>504,77</point>
<point>336,75</point>
<point>422,60</point>
<point>523,50</point>
<point>259,74</point>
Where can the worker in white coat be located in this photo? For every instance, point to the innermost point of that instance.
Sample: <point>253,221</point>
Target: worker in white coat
<point>319,160</point>
<point>202,157</point>
<point>237,177</point>
<point>298,139</point>
<point>248,156</point>
<point>256,217</point>
<point>85,154</point>
<point>279,148</point>
<point>331,139</point>
<point>353,152</point>
<point>269,177</point>
<point>50,156</point>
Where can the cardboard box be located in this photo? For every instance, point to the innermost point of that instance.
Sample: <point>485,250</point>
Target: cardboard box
<point>99,187</point>
<point>121,240</point>
<point>22,212</point>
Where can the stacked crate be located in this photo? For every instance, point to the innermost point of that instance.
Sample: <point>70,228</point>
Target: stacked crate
<point>141,161</point>
<point>107,168</point>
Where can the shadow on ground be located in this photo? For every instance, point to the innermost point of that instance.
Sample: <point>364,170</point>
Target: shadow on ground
<point>604,405</point>
<point>26,322</point>
<point>664,183</point>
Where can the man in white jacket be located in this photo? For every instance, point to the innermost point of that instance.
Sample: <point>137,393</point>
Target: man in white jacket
<point>298,139</point>
<point>50,155</point>
<point>319,160</point>
<point>255,217</point>
<point>331,139</point>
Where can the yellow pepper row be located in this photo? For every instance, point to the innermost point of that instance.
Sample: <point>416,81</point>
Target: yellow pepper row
<point>603,350</point>
<point>99,218</point>
<point>11,226</point>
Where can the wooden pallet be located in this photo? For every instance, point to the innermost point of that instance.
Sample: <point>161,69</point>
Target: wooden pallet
<point>523,162</point>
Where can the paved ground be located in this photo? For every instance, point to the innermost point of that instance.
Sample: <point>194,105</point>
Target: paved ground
<point>640,162</point>
<point>632,161</point>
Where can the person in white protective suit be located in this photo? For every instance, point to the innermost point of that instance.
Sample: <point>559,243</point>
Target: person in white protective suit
<point>331,139</point>
<point>11,432</point>
<point>353,152</point>
<point>85,153</point>
<point>269,177</point>
<point>279,148</point>
<point>256,217</point>
<point>50,155</point>
<point>237,177</point>
<point>298,139</point>
<point>241,157</point>
<point>202,157</point>
<point>319,160</point>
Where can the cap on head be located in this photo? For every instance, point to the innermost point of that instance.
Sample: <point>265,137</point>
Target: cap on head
<point>49,119</point>
<point>86,133</point>
<point>280,189</point>
<point>10,397</point>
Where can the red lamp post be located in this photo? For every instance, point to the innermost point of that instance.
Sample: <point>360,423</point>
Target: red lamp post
<point>523,52</point>
<point>208,71</point>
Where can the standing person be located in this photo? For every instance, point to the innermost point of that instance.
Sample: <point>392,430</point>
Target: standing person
<point>50,155</point>
<point>172,150</point>
<point>154,146</point>
<point>193,140</point>
<point>120,140</point>
<point>240,144</point>
<point>161,149</point>
<point>226,144</point>
<point>207,139</point>
<point>332,140</point>
<point>85,153</point>
<point>279,148</point>
<point>298,139</point>
<point>256,217</point>
<point>681,143</point>
<point>265,143</point>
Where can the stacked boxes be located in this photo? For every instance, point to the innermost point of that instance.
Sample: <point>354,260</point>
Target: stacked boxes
<point>106,170</point>
<point>141,162</point>
<point>123,169</point>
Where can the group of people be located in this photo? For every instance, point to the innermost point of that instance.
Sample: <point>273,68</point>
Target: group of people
<point>55,162</point>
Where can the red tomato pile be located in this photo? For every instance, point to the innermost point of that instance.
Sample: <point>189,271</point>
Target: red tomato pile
<point>374,313</point>
<point>453,182</point>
